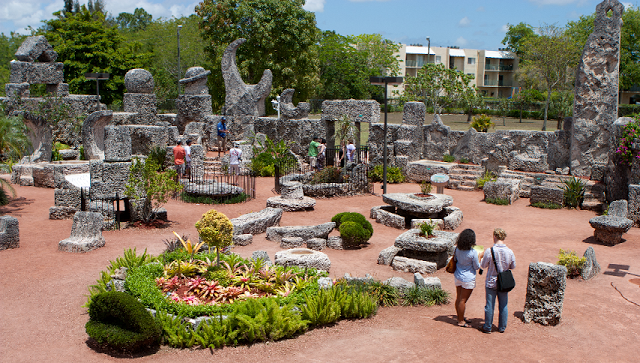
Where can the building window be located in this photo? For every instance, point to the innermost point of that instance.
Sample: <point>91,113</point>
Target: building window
<point>438,59</point>
<point>471,61</point>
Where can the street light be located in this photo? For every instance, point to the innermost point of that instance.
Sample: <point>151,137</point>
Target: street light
<point>179,69</point>
<point>384,81</point>
<point>428,49</point>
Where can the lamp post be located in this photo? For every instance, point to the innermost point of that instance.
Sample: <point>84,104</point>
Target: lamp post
<point>179,69</point>
<point>98,77</point>
<point>384,81</point>
<point>428,49</point>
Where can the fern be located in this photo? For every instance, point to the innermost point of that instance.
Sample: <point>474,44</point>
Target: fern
<point>212,333</point>
<point>321,309</point>
<point>176,332</point>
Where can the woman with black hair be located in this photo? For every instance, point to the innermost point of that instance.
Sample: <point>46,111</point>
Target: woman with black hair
<point>467,263</point>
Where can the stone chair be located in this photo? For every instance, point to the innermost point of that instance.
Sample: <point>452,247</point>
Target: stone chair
<point>86,233</point>
<point>609,228</point>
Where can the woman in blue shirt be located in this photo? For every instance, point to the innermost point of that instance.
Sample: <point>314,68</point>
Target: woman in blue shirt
<point>467,262</point>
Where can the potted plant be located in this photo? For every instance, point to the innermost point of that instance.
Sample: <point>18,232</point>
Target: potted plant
<point>425,189</point>
<point>427,229</point>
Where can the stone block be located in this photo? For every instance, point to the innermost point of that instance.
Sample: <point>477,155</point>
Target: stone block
<point>304,258</point>
<point>70,154</point>
<point>306,232</point>
<point>291,190</point>
<point>411,240</point>
<point>67,198</point>
<point>256,222</point>
<point>140,81</point>
<point>117,144</point>
<point>86,233</point>
<point>618,208</point>
<point>291,242</point>
<point>357,110</point>
<point>143,103</point>
<point>608,230</point>
<point>508,189</point>
<point>430,282</point>
<point>387,255</point>
<point>36,48</point>
<point>546,194</point>
<point>9,232</point>
<point>453,218</point>
<point>545,293</point>
<point>291,205</point>
<point>591,267</point>
<point>43,176</point>
<point>399,283</point>
<point>17,90</point>
<point>335,243</point>
<point>317,244</point>
<point>242,239</point>
<point>261,255</point>
<point>390,219</point>
<point>414,114</point>
<point>412,265</point>
<point>36,73</point>
<point>634,204</point>
<point>108,179</point>
<point>62,212</point>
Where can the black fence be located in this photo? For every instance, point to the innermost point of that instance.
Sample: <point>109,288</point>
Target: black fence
<point>114,209</point>
<point>218,188</point>
<point>336,156</point>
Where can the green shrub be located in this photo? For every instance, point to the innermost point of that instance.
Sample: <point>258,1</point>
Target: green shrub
<point>546,205</point>
<point>321,308</point>
<point>464,160</point>
<point>120,321</point>
<point>448,158</point>
<point>4,198</point>
<point>482,123</point>
<point>357,304</point>
<point>394,174</point>
<point>574,190</point>
<point>497,201</point>
<point>158,155</point>
<point>330,174</point>
<point>354,228</point>
<point>427,296</point>
<point>486,177</point>
<point>425,187</point>
<point>572,262</point>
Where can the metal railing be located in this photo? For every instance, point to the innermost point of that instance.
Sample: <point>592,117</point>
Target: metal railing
<point>221,187</point>
<point>496,67</point>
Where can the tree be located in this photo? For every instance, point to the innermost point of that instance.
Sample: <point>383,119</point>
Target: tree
<point>84,44</point>
<point>524,99</point>
<point>151,186</point>
<point>516,37</point>
<point>8,46</point>
<point>346,62</point>
<point>436,85</point>
<point>216,230</point>
<point>137,21</point>
<point>552,58</point>
<point>580,30</point>
<point>281,36</point>
<point>470,99</point>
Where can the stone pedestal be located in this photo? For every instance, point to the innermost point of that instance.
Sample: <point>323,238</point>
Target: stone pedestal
<point>545,293</point>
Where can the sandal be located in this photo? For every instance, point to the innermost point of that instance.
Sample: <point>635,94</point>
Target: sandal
<point>464,325</point>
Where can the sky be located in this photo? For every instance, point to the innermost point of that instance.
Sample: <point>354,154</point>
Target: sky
<point>463,23</point>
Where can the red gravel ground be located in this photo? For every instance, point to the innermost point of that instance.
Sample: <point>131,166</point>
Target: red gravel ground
<point>43,290</point>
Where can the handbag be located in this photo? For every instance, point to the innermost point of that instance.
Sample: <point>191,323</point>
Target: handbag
<point>505,282</point>
<point>451,266</point>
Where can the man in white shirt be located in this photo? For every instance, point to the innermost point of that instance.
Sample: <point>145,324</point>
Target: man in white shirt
<point>351,152</point>
<point>235,157</point>
<point>187,159</point>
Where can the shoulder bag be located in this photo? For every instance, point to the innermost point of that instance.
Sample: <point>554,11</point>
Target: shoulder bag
<point>451,266</point>
<point>505,281</point>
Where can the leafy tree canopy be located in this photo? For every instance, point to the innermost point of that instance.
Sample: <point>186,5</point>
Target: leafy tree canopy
<point>85,43</point>
<point>517,35</point>
<point>137,21</point>
<point>8,46</point>
<point>281,36</point>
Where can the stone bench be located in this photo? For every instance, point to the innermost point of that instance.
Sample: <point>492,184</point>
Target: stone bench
<point>609,229</point>
<point>508,189</point>
<point>257,222</point>
<point>306,232</point>
<point>9,233</point>
<point>546,194</point>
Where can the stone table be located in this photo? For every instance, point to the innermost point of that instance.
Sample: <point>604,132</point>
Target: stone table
<point>422,207</point>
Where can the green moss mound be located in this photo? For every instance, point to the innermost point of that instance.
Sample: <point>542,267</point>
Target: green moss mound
<point>119,321</point>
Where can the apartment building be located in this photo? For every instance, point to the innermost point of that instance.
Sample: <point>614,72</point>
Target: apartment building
<point>493,71</point>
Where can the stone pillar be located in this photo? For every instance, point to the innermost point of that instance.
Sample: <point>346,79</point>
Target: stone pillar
<point>117,141</point>
<point>596,93</point>
<point>545,293</point>
<point>634,204</point>
<point>9,233</point>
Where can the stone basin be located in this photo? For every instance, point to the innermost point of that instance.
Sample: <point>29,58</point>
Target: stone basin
<point>304,258</point>
<point>411,240</point>
<point>418,205</point>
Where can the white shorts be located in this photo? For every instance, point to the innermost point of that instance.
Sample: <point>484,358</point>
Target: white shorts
<point>466,285</point>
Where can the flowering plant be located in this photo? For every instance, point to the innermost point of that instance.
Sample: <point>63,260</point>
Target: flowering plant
<point>625,150</point>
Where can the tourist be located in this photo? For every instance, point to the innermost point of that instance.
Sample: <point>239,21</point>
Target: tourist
<point>313,152</point>
<point>351,152</point>
<point>235,157</point>
<point>178,158</point>
<point>505,260</point>
<point>222,135</point>
<point>187,158</point>
<point>322,154</point>
<point>467,262</point>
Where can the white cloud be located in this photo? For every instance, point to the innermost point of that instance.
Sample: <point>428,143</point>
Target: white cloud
<point>504,28</point>
<point>480,9</point>
<point>317,6</point>
<point>464,22</point>
<point>461,42</point>
<point>627,5</point>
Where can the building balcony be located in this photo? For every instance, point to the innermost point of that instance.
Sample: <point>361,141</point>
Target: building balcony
<point>499,68</point>
<point>414,63</point>
<point>496,83</point>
